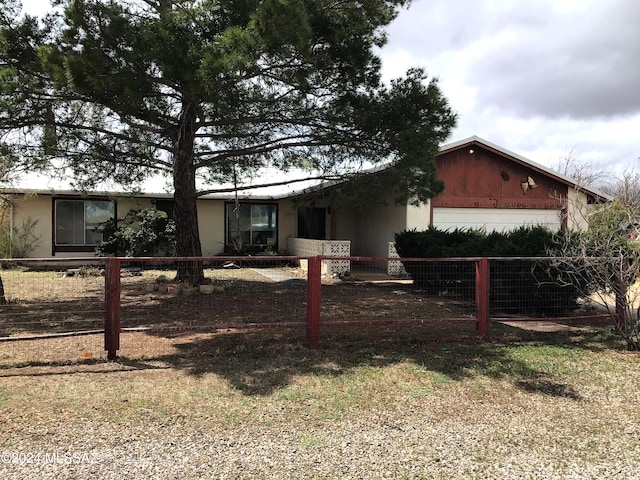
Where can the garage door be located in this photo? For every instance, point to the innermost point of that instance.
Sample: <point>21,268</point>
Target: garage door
<point>494,219</point>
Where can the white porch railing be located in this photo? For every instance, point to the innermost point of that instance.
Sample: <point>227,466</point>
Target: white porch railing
<point>305,247</point>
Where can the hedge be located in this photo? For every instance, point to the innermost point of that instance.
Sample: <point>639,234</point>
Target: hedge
<point>516,287</point>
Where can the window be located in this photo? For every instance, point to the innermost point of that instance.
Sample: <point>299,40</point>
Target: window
<point>168,207</point>
<point>255,225</point>
<point>77,222</point>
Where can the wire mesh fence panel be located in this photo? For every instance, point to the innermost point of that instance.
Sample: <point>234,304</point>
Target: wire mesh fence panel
<point>30,355</point>
<point>55,298</point>
<point>48,298</point>
<point>232,291</point>
<point>424,290</point>
<point>531,287</point>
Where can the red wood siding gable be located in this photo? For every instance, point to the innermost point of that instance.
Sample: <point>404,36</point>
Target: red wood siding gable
<point>475,176</point>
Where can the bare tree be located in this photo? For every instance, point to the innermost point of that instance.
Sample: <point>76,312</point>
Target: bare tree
<point>586,173</point>
<point>599,254</point>
<point>626,188</point>
<point>603,263</point>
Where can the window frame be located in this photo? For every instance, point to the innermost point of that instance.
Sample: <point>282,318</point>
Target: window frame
<point>166,205</point>
<point>57,248</point>
<point>228,208</point>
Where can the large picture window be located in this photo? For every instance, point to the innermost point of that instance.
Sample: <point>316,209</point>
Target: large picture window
<point>254,225</point>
<point>77,222</point>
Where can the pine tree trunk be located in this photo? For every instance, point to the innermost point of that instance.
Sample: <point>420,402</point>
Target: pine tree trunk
<point>3,299</point>
<point>186,213</point>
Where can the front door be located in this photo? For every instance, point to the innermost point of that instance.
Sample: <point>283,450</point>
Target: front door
<point>312,223</point>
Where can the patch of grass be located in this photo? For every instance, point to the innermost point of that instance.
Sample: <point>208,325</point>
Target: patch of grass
<point>417,392</point>
<point>292,393</point>
<point>5,394</point>
<point>310,441</point>
<point>548,359</point>
<point>440,378</point>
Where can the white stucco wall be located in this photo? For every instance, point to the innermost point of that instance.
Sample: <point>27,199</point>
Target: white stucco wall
<point>287,223</point>
<point>211,226</point>
<point>577,210</point>
<point>34,208</point>
<point>211,218</point>
<point>419,217</point>
<point>371,230</point>
<point>40,208</point>
<point>375,228</point>
<point>124,204</point>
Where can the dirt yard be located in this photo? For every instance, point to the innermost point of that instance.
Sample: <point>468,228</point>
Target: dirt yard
<point>46,302</point>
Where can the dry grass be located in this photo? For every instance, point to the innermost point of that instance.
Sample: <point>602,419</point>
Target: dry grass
<point>565,400</point>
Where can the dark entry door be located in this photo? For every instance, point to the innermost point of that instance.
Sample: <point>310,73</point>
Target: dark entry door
<point>311,223</point>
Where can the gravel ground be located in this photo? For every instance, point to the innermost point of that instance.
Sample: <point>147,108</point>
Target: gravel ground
<point>483,441</point>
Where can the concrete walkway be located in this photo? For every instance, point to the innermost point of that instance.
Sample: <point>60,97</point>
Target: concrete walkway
<point>278,275</point>
<point>368,276</point>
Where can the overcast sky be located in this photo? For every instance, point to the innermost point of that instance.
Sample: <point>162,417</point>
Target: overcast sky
<point>538,77</point>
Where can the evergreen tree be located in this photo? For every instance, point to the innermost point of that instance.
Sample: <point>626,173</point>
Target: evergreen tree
<point>117,90</point>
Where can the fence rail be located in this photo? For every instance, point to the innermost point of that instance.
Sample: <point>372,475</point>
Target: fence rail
<point>47,298</point>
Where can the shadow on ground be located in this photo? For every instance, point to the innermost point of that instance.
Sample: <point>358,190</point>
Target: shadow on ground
<point>259,362</point>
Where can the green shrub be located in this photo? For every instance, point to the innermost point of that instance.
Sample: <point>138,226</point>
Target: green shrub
<point>435,243</point>
<point>141,233</point>
<point>517,286</point>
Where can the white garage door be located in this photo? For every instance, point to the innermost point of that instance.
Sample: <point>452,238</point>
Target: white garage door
<point>494,219</point>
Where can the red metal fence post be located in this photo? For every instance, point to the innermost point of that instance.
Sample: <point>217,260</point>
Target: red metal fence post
<point>112,307</point>
<point>314,287</point>
<point>482,298</point>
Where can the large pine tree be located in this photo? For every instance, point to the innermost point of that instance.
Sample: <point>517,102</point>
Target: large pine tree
<point>122,89</point>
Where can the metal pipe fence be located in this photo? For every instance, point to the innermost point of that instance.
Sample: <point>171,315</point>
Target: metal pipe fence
<point>51,297</point>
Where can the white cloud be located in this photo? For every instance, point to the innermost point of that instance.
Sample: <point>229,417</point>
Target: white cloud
<point>539,78</point>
